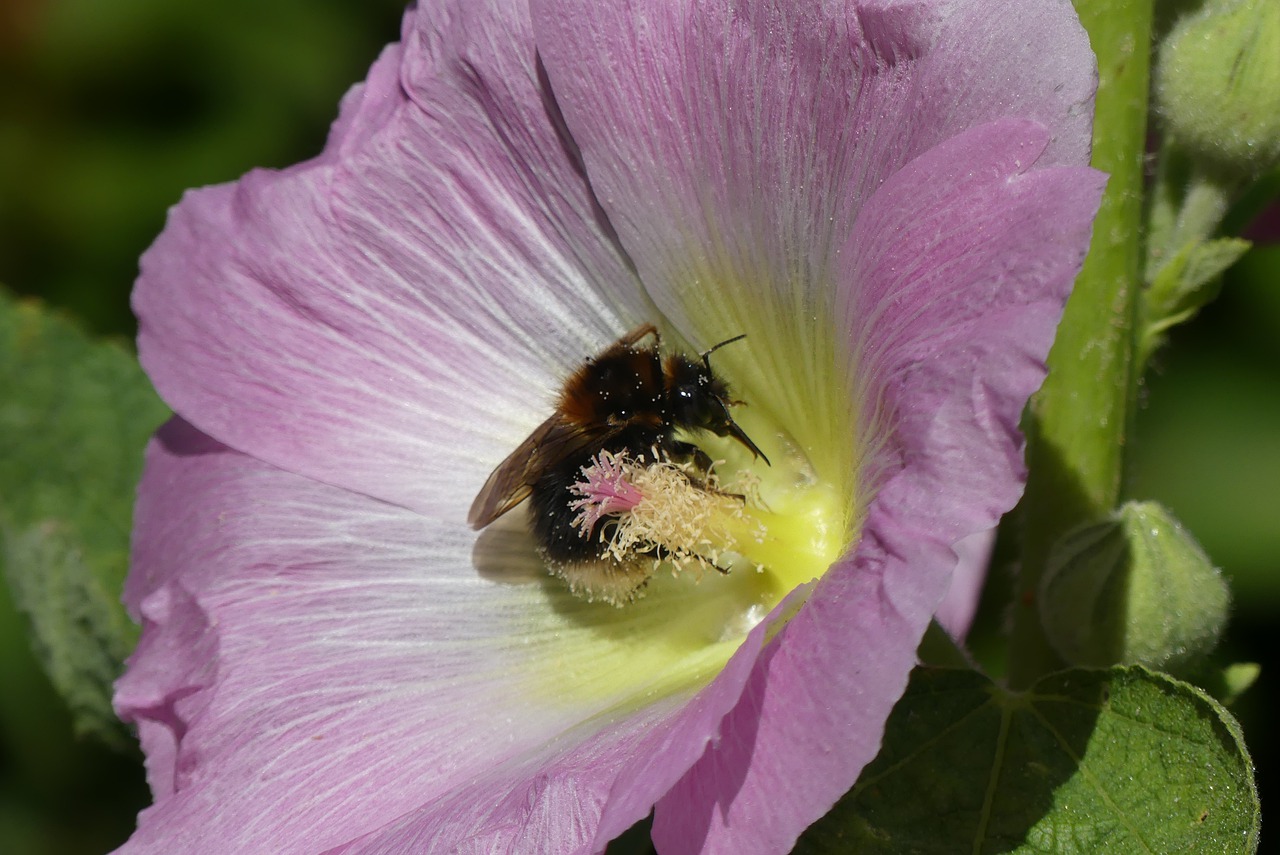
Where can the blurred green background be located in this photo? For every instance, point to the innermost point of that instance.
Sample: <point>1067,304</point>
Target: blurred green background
<point>109,110</point>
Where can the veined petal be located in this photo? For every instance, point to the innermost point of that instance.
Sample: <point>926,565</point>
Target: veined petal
<point>444,254</point>
<point>321,669</point>
<point>962,263</point>
<point>727,143</point>
<point>963,260</point>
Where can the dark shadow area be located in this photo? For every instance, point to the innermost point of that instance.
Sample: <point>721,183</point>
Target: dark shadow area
<point>505,553</point>
<point>635,840</point>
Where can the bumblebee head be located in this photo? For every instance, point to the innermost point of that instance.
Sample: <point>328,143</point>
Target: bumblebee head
<point>696,398</point>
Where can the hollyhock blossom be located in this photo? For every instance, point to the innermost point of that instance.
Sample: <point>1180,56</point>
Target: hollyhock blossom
<point>890,199</point>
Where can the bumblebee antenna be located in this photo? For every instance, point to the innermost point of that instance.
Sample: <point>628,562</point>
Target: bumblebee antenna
<point>733,430</point>
<point>706,354</point>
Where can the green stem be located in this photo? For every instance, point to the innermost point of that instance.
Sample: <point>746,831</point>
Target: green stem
<point>1078,422</point>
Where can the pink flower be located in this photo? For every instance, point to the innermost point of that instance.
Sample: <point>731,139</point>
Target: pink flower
<point>889,198</point>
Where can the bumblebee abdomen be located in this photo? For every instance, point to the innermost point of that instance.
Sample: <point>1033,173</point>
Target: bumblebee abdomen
<point>552,515</point>
<point>551,498</point>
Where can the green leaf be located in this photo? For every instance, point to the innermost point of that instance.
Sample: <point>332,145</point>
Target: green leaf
<point>75,416</point>
<point>1117,761</point>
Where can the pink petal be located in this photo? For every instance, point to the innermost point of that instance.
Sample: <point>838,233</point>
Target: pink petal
<point>962,261</point>
<point>443,255</point>
<point>733,144</point>
<point>323,670</point>
<point>964,594</point>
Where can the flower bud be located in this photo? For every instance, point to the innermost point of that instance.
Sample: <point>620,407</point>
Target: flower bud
<point>1218,84</point>
<point>1133,589</point>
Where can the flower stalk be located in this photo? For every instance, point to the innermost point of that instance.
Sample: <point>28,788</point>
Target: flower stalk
<point>1078,422</point>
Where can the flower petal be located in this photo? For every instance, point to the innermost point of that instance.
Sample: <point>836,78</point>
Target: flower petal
<point>444,254</point>
<point>964,594</point>
<point>963,260</point>
<point>322,670</point>
<point>732,144</point>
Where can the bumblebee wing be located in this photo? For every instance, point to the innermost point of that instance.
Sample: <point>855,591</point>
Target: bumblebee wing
<point>511,483</point>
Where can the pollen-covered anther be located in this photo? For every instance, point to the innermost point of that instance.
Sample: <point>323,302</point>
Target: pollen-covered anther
<point>657,509</point>
<point>605,489</point>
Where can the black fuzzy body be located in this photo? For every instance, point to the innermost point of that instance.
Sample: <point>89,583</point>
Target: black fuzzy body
<point>620,395</point>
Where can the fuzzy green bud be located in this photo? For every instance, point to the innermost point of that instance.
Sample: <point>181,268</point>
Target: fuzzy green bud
<point>1133,589</point>
<point>1218,84</point>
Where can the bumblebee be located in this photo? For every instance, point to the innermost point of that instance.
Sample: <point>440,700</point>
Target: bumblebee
<point>630,398</point>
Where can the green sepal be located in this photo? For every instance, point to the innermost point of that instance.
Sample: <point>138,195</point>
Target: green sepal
<point>1135,588</point>
<point>1180,288</point>
<point>1184,262</point>
<point>1190,280</point>
<point>1217,85</point>
<point>1118,761</point>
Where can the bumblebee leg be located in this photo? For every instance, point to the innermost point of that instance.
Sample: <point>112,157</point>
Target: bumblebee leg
<point>687,452</point>
<point>640,332</point>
